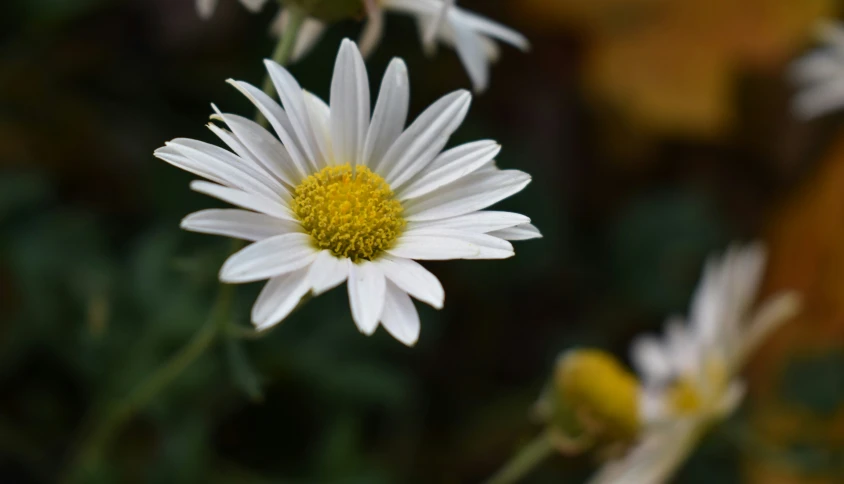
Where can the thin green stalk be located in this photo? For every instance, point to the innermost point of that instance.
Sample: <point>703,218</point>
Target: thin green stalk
<point>525,460</point>
<point>92,447</point>
<point>94,442</point>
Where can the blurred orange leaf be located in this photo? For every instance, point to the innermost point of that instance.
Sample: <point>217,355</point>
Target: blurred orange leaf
<point>669,66</point>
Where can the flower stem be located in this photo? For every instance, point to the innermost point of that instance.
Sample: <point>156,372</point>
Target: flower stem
<point>88,453</point>
<point>91,449</point>
<point>525,460</point>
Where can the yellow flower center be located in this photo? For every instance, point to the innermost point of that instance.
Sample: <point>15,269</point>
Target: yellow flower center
<point>350,211</point>
<point>685,396</point>
<point>594,382</point>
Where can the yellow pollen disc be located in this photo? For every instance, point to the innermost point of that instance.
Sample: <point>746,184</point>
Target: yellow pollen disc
<point>350,211</point>
<point>596,383</point>
<point>683,398</point>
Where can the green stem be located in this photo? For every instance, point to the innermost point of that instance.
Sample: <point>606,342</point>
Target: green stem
<point>525,461</point>
<point>91,447</point>
<point>283,51</point>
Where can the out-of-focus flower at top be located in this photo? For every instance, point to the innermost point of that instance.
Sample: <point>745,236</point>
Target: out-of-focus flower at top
<point>206,8</point>
<point>670,67</point>
<point>472,36</point>
<point>439,21</point>
<point>344,197</point>
<point>820,74</point>
<point>686,382</point>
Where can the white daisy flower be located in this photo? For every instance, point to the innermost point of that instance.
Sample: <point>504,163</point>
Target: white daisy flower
<point>345,196</point>
<point>440,21</point>
<point>690,379</point>
<point>206,8</point>
<point>820,74</point>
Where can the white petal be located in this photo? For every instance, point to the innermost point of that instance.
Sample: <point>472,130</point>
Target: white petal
<point>349,105</point>
<point>245,157</point>
<point>399,316</point>
<point>682,350</point>
<point>206,8</point>
<point>655,458</point>
<point>653,406</point>
<point>428,247</point>
<point>264,147</point>
<point>816,67</point>
<point>269,258</point>
<point>489,28</point>
<point>430,34</point>
<point>820,99</point>
<point>327,272</point>
<point>320,117</point>
<point>770,316</point>
<point>482,222</point>
<point>413,279</point>
<point>366,294</point>
<point>468,194</point>
<point>520,232</point>
<point>279,298</point>
<point>390,113</point>
<point>282,125</point>
<point>449,166</point>
<point>423,139</point>
<point>293,100</point>
<point>244,199</point>
<point>253,5</point>
<point>489,247</point>
<point>219,165</point>
<point>239,224</point>
<point>309,34</point>
<point>650,360</point>
<point>470,49</point>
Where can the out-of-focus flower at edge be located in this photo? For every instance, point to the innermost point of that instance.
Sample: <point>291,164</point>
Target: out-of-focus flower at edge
<point>687,381</point>
<point>206,8</point>
<point>671,67</point>
<point>342,197</point>
<point>820,74</point>
<point>472,36</point>
<point>439,21</point>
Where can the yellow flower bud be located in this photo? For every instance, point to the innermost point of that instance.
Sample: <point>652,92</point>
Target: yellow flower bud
<point>603,393</point>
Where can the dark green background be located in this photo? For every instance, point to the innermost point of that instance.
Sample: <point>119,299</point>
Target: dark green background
<point>98,286</point>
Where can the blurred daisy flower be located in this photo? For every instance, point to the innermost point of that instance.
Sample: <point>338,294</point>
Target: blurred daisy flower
<point>341,196</point>
<point>440,22</point>
<point>820,74</point>
<point>688,380</point>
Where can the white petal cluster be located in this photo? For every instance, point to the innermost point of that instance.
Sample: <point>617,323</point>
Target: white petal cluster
<point>441,21</point>
<point>704,356</point>
<point>443,194</point>
<point>820,74</point>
